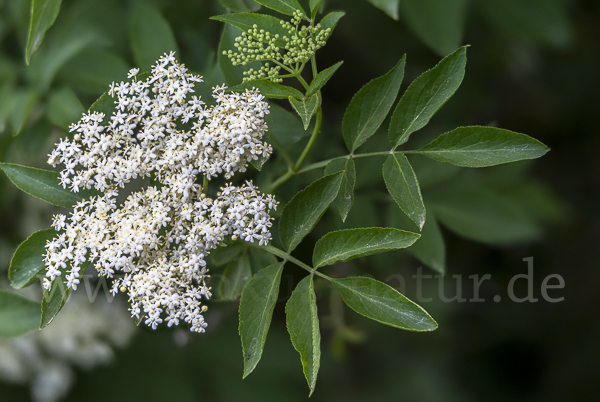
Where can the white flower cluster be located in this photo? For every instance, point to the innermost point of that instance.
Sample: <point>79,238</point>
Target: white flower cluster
<point>156,241</point>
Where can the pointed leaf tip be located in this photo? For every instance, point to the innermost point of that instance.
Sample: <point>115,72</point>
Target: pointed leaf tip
<point>426,95</point>
<point>403,186</point>
<point>382,303</point>
<point>370,105</point>
<point>303,325</point>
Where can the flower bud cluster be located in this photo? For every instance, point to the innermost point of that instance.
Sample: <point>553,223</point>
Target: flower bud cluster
<point>154,244</point>
<point>262,46</point>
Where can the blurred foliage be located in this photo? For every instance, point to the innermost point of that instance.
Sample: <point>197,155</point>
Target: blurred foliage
<point>532,68</point>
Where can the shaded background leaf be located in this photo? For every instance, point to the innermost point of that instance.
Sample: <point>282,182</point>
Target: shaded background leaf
<point>390,7</point>
<point>438,23</point>
<point>287,7</point>
<point>150,34</point>
<point>18,315</point>
<point>237,274</point>
<point>345,197</point>
<point>481,215</point>
<point>240,6</point>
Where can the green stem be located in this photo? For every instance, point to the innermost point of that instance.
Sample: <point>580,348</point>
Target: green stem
<point>291,71</point>
<point>282,179</point>
<point>205,185</point>
<point>350,156</point>
<point>286,257</point>
<point>291,173</point>
<point>282,151</point>
<point>311,142</point>
<point>304,84</point>
<point>313,63</point>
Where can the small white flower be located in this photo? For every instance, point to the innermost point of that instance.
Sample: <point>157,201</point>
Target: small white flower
<point>133,72</point>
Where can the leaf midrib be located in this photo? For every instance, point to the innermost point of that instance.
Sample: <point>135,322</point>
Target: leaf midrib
<point>372,115</point>
<point>378,302</point>
<point>45,186</point>
<point>355,251</point>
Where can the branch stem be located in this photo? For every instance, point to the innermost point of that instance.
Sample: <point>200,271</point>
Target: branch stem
<point>286,257</point>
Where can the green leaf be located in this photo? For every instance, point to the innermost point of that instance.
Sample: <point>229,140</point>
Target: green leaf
<point>43,15</point>
<point>303,326</point>
<point>64,107</point>
<point>348,244</point>
<point>18,315</point>
<point>477,146</point>
<point>345,197</point>
<point>27,264</point>
<point>438,23</point>
<point>370,106</point>
<point>7,99</point>
<point>331,20</point>
<point>321,79</point>
<point>286,7</point>
<point>314,7</point>
<point>545,22</point>
<point>149,33</point>
<point>240,6</point>
<point>484,216</point>
<point>55,298</point>
<point>285,126</point>
<point>402,184</point>
<point>23,103</point>
<point>268,89</point>
<point>380,302</point>
<point>104,104</point>
<point>50,60</point>
<point>390,7</point>
<point>305,108</point>
<point>426,95</point>
<point>246,21</point>
<point>304,210</point>
<point>233,74</point>
<point>93,70</point>
<point>260,259</point>
<point>430,249</point>
<point>431,173</point>
<point>237,274</point>
<point>53,301</point>
<point>224,254</point>
<point>256,310</point>
<point>43,184</point>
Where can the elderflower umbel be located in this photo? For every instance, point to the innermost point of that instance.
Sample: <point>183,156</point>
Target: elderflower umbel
<point>260,45</point>
<point>157,240</point>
